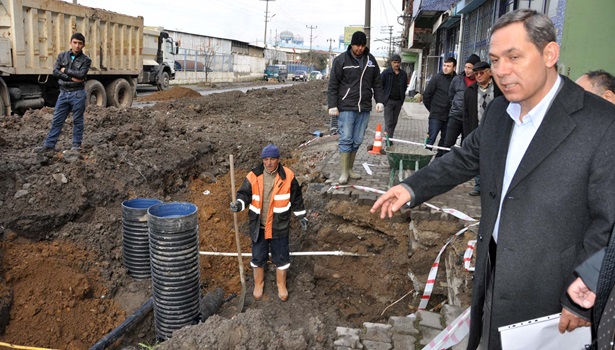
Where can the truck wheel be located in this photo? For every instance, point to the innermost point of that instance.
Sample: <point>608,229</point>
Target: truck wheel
<point>95,93</point>
<point>163,84</point>
<point>119,93</point>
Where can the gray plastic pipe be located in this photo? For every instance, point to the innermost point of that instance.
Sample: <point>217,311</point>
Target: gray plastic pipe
<point>114,335</point>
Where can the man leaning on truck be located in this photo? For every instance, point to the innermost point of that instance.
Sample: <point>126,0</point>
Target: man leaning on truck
<point>70,69</point>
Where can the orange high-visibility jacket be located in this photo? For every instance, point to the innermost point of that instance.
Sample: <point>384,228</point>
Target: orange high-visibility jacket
<point>285,196</point>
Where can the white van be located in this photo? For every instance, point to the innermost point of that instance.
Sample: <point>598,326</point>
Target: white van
<point>315,75</point>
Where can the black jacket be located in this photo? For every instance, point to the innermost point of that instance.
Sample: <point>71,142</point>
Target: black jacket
<point>436,98</point>
<point>470,107</point>
<point>350,87</point>
<point>387,83</point>
<point>73,68</point>
<point>455,94</point>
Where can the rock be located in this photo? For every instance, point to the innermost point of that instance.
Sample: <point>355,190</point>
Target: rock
<point>21,193</point>
<point>60,178</point>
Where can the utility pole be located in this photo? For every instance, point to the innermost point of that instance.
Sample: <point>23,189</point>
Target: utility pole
<point>389,29</point>
<point>331,41</point>
<point>311,28</point>
<point>368,20</point>
<point>266,20</point>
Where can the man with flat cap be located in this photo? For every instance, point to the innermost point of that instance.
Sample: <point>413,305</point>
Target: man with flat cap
<point>394,84</point>
<point>271,192</point>
<point>354,79</point>
<point>476,98</point>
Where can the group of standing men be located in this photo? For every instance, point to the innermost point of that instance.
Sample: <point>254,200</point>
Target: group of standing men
<point>456,103</point>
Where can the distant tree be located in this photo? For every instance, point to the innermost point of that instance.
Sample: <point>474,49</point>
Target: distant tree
<point>316,59</point>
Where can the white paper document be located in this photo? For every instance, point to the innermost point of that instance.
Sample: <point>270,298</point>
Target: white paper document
<point>542,333</point>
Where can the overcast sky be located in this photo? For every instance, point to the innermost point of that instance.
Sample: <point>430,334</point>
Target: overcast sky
<point>244,20</point>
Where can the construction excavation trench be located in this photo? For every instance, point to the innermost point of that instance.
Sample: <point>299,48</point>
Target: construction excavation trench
<point>63,283</point>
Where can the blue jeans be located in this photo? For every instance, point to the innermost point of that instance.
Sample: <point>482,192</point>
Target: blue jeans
<point>68,101</point>
<point>280,254</point>
<point>477,183</point>
<point>437,126</point>
<point>352,126</point>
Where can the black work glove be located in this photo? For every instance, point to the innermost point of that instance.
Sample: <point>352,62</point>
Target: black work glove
<point>303,221</point>
<point>236,207</point>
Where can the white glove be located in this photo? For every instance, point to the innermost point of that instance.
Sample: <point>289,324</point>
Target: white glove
<point>379,107</point>
<point>333,111</point>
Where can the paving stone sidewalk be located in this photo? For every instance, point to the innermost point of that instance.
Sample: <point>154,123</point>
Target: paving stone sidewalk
<point>408,333</point>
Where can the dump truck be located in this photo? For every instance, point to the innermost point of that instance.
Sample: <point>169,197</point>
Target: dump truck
<point>34,32</point>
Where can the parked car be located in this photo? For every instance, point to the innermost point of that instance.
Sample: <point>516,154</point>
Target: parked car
<point>277,71</point>
<point>300,75</point>
<point>315,75</point>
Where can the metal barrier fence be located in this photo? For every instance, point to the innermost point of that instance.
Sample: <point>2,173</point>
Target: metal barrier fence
<point>191,60</point>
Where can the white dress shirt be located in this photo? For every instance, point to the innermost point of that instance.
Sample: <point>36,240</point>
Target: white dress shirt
<point>522,134</point>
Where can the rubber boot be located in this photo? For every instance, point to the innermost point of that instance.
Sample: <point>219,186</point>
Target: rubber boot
<point>344,160</point>
<point>259,283</point>
<point>280,276</point>
<point>351,173</point>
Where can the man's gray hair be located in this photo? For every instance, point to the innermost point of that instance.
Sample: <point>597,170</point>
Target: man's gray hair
<point>601,80</point>
<point>539,27</point>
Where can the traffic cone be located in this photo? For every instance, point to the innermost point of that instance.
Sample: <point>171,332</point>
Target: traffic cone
<point>377,141</point>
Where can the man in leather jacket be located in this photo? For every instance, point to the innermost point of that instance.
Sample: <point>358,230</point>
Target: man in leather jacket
<point>70,69</point>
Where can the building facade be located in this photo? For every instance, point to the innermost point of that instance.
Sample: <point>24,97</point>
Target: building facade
<point>437,30</point>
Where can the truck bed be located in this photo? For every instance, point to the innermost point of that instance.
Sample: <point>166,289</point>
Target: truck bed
<point>36,31</point>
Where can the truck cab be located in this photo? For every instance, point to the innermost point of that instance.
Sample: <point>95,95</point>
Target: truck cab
<point>159,52</point>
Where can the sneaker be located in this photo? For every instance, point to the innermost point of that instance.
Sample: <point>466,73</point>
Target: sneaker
<point>475,193</point>
<point>42,149</point>
<point>76,148</point>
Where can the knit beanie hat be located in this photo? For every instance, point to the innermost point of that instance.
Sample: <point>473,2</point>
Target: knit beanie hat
<point>359,38</point>
<point>473,59</point>
<point>270,151</point>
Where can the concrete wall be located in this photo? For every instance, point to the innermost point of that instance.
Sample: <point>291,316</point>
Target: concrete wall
<point>245,68</point>
<point>587,37</point>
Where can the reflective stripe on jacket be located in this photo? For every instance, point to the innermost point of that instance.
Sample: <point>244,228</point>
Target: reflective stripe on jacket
<point>285,196</point>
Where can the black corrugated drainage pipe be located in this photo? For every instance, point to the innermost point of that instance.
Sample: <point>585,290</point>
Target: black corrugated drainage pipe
<point>174,254</point>
<point>135,241</point>
<point>114,335</point>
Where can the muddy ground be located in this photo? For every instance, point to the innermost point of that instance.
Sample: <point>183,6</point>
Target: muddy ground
<point>62,281</point>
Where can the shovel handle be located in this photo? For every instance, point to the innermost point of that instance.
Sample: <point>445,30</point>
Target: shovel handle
<point>233,194</point>
<point>239,260</point>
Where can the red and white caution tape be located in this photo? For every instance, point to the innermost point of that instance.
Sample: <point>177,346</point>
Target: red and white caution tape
<point>467,257</point>
<point>312,140</point>
<point>361,188</point>
<point>421,144</point>
<point>453,334</point>
<point>433,272</point>
<point>454,212</point>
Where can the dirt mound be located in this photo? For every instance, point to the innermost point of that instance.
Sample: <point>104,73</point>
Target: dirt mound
<point>176,92</point>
